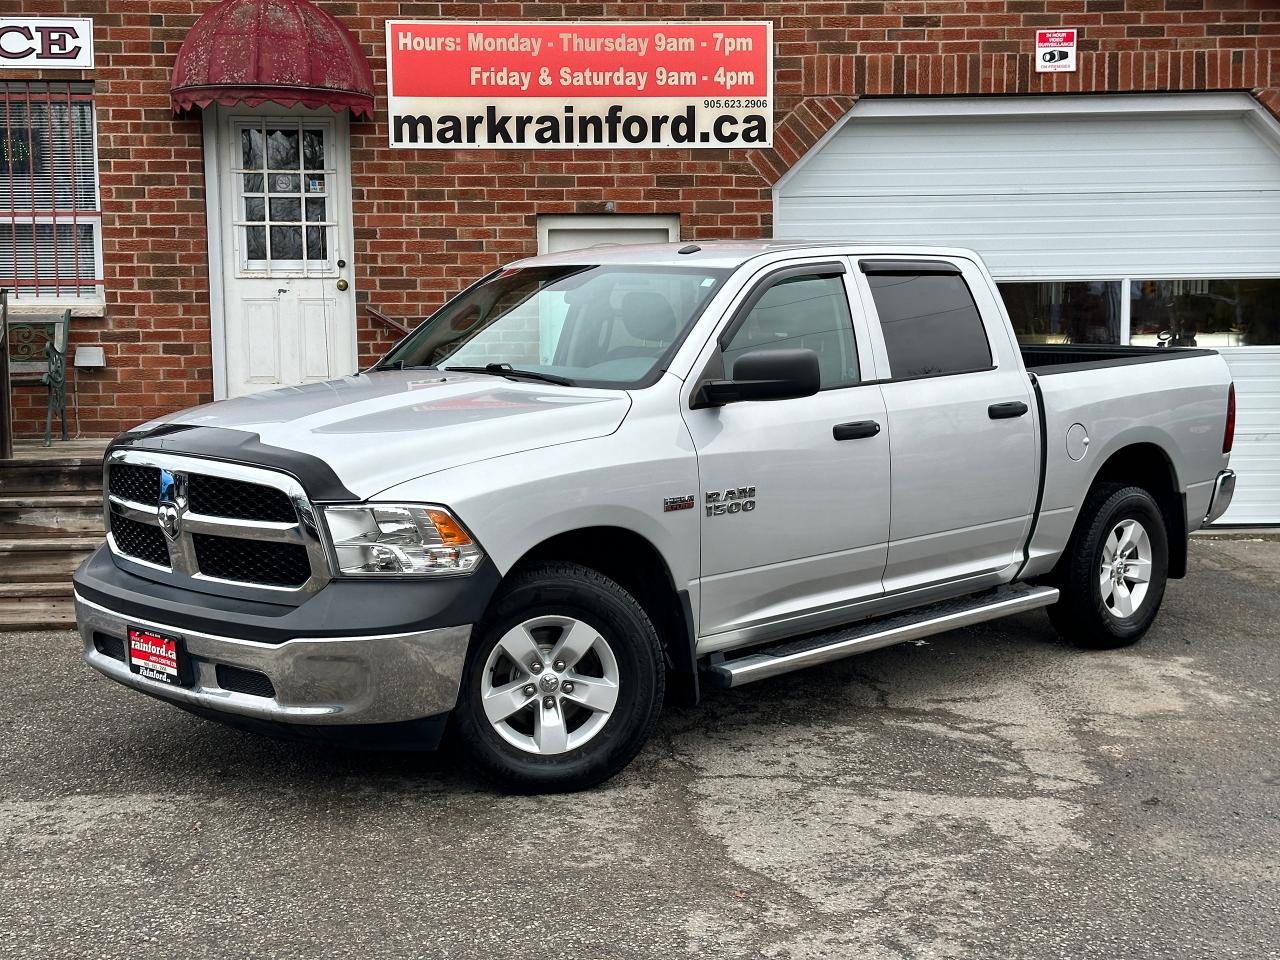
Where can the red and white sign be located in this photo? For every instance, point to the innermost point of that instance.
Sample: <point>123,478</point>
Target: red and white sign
<point>1055,51</point>
<point>46,43</point>
<point>153,656</point>
<point>556,85</point>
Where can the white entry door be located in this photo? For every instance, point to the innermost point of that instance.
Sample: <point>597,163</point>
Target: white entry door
<point>288,307</point>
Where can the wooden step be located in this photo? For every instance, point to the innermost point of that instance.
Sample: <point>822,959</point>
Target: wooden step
<point>24,613</point>
<point>43,559</point>
<point>53,588</point>
<point>51,515</point>
<point>24,477</point>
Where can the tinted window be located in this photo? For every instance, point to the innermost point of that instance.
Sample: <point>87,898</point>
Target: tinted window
<point>810,312</point>
<point>1205,313</point>
<point>931,324</point>
<point>1077,311</point>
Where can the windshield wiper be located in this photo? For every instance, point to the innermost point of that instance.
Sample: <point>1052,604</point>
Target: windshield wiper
<point>515,373</point>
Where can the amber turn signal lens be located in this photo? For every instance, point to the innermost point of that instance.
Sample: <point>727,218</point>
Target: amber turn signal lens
<point>450,533</point>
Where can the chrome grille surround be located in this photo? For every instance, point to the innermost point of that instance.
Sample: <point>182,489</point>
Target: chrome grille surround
<point>304,531</point>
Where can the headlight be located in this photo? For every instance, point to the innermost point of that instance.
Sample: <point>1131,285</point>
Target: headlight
<point>399,539</point>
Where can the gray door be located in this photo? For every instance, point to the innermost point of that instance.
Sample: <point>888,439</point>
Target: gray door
<point>961,424</point>
<point>794,521</point>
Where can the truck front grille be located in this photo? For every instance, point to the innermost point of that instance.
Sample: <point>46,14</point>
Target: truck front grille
<point>221,497</point>
<point>140,541</point>
<point>213,521</point>
<point>252,561</point>
<point>135,483</point>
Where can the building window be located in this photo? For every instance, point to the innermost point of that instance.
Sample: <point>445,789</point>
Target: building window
<point>1205,313</point>
<point>1072,312</point>
<point>50,222</point>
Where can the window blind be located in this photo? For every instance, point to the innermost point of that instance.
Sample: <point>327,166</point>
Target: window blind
<point>50,221</point>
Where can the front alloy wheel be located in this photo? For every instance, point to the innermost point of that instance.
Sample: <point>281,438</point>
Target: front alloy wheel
<point>563,683</point>
<point>550,685</point>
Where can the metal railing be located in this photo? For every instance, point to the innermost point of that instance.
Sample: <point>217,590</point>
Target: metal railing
<point>398,325</point>
<point>6,400</point>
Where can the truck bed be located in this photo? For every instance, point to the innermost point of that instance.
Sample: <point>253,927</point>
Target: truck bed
<point>1046,359</point>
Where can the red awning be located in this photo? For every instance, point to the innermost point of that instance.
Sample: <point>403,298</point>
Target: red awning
<point>283,51</point>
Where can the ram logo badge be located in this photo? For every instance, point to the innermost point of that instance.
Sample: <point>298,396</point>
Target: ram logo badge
<point>733,500</point>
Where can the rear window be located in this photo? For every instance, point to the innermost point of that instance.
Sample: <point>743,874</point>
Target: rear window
<point>931,324</point>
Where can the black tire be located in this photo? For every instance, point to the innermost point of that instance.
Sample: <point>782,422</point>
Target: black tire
<point>1082,615</point>
<point>566,590</point>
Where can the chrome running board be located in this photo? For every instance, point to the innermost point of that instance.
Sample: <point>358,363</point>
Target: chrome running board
<point>883,632</point>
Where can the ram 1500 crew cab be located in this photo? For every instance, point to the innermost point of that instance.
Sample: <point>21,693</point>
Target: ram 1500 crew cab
<point>599,477</point>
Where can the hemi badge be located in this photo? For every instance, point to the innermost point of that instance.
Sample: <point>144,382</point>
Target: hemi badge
<point>677,503</point>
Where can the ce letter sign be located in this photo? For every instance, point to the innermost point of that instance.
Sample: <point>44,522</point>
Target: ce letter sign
<point>46,43</point>
<point>580,85</point>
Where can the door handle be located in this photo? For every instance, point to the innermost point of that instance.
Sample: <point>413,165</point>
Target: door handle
<point>858,430</point>
<point>341,284</point>
<point>1006,411</point>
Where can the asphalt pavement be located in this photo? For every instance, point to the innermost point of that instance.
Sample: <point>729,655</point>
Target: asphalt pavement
<point>990,793</point>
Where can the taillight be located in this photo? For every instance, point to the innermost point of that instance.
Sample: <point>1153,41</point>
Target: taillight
<point>1229,435</point>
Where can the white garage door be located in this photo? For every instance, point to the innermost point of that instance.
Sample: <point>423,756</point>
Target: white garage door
<point>1154,215</point>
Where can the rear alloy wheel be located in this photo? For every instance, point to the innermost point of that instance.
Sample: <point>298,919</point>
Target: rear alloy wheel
<point>563,684</point>
<point>1112,575</point>
<point>1124,575</point>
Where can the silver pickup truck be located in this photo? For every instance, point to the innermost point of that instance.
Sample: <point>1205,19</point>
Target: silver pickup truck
<point>599,478</point>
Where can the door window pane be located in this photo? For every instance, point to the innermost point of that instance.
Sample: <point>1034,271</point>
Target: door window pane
<point>317,243</point>
<point>287,209</point>
<point>313,150</point>
<point>254,209</point>
<point>286,243</point>
<point>807,312</point>
<point>931,324</point>
<point>1083,311</point>
<point>251,149</point>
<point>1205,313</point>
<point>283,182</point>
<point>256,243</point>
<point>282,150</point>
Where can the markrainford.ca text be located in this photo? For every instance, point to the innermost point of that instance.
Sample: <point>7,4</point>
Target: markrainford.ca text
<point>612,127</point>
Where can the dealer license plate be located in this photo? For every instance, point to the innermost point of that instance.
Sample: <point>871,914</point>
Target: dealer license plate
<point>158,656</point>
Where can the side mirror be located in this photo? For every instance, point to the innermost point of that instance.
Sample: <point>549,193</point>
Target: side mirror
<point>763,375</point>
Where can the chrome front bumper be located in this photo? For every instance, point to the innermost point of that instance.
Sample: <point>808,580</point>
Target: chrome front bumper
<point>1224,488</point>
<point>335,680</point>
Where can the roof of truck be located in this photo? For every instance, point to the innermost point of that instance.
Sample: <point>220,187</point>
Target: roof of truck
<point>729,253</point>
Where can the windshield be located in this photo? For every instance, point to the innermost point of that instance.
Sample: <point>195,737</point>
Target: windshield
<point>601,325</point>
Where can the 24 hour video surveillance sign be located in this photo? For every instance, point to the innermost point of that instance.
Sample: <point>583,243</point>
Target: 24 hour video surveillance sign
<point>1055,51</point>
<point>556,85</point>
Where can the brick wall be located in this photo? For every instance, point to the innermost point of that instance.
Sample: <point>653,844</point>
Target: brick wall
<point>429,222</point>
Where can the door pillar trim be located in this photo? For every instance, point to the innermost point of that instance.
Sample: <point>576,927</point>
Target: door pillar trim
<point>213,232</point>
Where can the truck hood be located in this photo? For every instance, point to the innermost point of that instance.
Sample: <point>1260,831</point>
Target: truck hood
<point>379,429</point>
